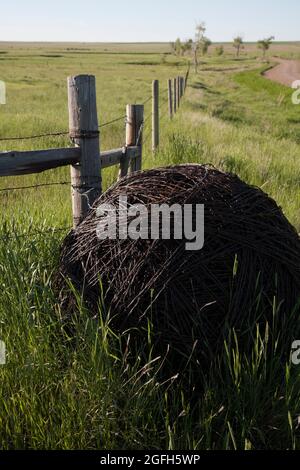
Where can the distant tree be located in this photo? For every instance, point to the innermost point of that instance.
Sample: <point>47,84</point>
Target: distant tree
<point>190,44</point>
<point>201,43</point>
<point>199,34</point>
<point>219,50</point>
<point>238,44</point>
<point>200,31</point>
<point>264,44</point>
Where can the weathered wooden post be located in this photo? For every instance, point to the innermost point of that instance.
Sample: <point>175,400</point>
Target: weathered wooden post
<point>124,163</point>
<point>178,91</point>
<point>155,115</point>
<point>129,138</point>
<point>170,99</point>
<point>84,131</point>
<point>187,77</point>
<point>134,137</point>
<point>134,133</point>
<point>181,87</point>
<point>175,95</point>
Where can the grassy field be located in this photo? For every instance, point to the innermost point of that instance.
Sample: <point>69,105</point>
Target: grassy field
<point>56,396</point>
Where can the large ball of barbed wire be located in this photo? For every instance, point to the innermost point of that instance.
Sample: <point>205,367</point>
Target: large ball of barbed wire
<point>248,267</point>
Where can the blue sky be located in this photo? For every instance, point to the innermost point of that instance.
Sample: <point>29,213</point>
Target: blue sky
<point>150,20</point>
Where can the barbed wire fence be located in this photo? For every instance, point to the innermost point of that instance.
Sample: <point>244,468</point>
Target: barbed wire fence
<point>170,111</point>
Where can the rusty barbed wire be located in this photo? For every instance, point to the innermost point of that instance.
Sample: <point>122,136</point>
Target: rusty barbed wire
<point>40,185</point>
<point>120,118</point>
<point>54,134</point>
<point>38,136</point>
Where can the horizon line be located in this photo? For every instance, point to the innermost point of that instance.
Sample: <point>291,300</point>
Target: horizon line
<point>132,42</point>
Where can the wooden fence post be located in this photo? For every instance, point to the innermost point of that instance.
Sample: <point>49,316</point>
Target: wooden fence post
<point>129,138</point>
<point>155,115</point>
<point>187,77</point>
<point>134,132</point>
<point>170,100</point>
<point>175,94</point>
<point>181,87</point>
<point>84,130</point>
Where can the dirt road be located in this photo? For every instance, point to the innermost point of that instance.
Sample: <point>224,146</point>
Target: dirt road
<point>286,72</point>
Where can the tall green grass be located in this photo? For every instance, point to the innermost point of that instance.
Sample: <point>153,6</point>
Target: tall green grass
<point>61,394</point>
<point>57,393</point>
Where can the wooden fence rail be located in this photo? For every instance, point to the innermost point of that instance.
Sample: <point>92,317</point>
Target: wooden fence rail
<point>85,158</point>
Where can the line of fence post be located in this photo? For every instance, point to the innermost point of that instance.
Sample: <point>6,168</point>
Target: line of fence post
<point>175,89</point>
<point>85,158</point>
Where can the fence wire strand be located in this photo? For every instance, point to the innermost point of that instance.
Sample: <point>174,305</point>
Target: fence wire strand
<point>40,185</point>
<point>65,133</point>
<point>55,134</point>
<point>120,118</point>
<point>38,136</point>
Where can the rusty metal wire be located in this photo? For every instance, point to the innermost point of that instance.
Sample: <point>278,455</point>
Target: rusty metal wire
<point>55,134</point>
<point>38,136</point>
<point>120,118</point>
<point>251,254</point>
<point>33,186</point>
